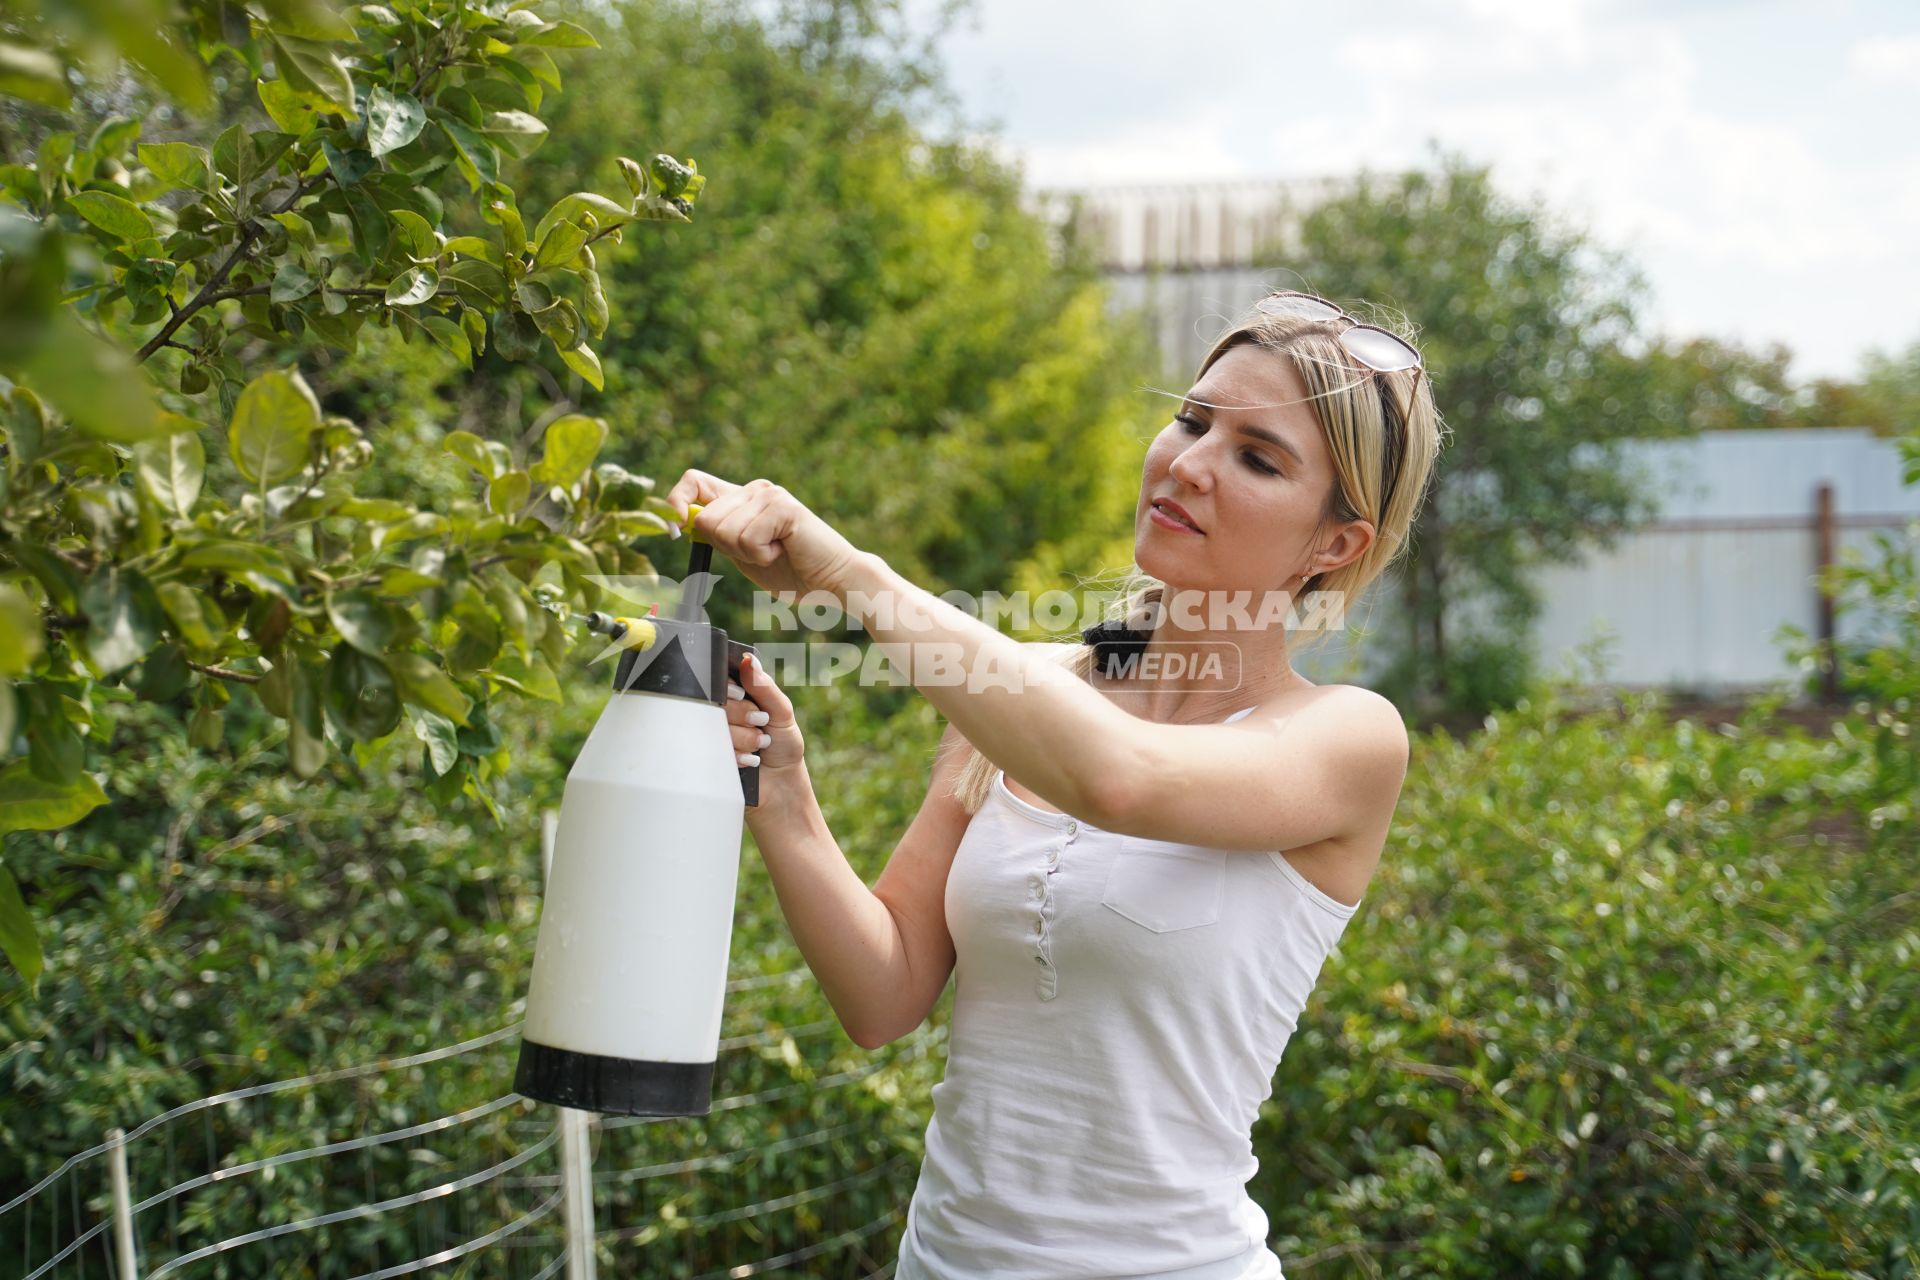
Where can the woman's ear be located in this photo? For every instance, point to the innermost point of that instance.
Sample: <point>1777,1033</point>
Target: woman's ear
<point>1348,545</point>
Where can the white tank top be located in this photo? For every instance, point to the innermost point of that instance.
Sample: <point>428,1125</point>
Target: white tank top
<point>1120,1008</point>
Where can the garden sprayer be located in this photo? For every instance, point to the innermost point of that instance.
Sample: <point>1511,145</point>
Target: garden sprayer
<point>630,968</point>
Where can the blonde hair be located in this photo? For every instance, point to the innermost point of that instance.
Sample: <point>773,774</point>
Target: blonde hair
<point>1370,452</point>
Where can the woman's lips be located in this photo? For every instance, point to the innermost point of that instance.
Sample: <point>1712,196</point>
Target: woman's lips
<point>1166,521</point>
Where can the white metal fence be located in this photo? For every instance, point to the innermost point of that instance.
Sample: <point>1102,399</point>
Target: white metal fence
<point>445,1175</point>
<point>515,1185</point>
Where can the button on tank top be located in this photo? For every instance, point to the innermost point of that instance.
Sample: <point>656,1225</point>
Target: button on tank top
<point>1120,1007</point>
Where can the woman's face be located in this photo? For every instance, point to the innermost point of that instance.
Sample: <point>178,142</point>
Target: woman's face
<point>1254,480</point>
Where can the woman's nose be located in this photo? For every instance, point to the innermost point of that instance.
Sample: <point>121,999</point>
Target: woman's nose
<point>1189,466</point>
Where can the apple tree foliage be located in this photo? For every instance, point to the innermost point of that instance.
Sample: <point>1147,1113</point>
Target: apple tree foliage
<point>181,518</point>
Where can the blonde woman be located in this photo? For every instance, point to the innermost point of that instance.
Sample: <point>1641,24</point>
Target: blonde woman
<point>1132,878</point>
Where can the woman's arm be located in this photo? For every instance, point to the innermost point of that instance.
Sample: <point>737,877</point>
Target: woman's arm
<point>882,955</point>
<point>1332,768</point>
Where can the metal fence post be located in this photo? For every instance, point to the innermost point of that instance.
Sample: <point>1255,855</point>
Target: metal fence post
<point>576,1131</point>
<point>124,1263</point>
<point>576,1176</point>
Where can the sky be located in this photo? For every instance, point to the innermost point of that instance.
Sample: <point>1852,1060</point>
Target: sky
<point>1759,160</point>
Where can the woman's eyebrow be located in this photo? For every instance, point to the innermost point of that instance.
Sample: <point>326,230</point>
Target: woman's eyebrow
<point>1258,433</point>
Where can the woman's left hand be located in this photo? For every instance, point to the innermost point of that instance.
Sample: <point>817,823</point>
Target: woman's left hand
<point>780,544</point>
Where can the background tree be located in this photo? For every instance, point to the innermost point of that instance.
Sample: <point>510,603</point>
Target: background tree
<point>869,314</point>
<point>1886,396</point>
<point>1532,333</point>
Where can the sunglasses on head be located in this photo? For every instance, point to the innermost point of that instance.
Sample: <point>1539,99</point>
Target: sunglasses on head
<point>1372,346</point>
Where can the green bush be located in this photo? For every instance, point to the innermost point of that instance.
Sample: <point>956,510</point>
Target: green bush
<point>1627,998</point>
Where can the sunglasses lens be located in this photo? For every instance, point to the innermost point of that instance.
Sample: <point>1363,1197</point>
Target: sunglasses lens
<point>1379,349</point>
<point>1298,304</point>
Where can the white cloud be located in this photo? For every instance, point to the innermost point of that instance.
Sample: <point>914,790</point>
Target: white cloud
<point>1731,151</point>
<point>1887,59</point>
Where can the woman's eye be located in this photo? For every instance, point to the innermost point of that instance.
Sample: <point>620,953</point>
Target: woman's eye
<point>1194,427</point>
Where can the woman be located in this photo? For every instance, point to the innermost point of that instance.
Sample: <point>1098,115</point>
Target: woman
<point>1131,946</point>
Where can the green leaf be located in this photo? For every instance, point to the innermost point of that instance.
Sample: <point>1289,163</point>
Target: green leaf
<point>475,247</point>
<point>313,68</point>
<point>163,675</point>
<point>584,362</point>
<point>416,234</point>
<point>540,63</point>
<point>291,283</point>
<point>561,324</point>
<point>532,676</point>
<point>306,727</point>
<point>516,132</point>
<point>363,620</point>
<point>17,936</point>
<point>33,75</point>
<point>508,493</point>
<point>119,218</point>
<point>192,615</point>
<point>206,731</point>
<point>362,696</point>
<point>393,120</point>
<point>286,107</point>
<point>92,381</point>
<point>477,283</point>
<point>299,231</point>
<point>475,325</point>
<point>482,162</point>
<point>437,732</point>
<point>571,446</point>
<point>451,336</point>
<point>412,287</point>
<point>561,35</point>
<point>501,210</point>
<point>605,213</point>
<point>515,335</point>
<point>273,421</point>
<point>428,686</point>
<point>314,19</point>
<point>178,164</point>
<point>123,616</point>
<point>560,245</point>
<point>593,303</point>
<point>21,640</point>
<point>371,233</point>
<point>533,295</point>
<point>348,166</point>
<point>172,469</point>
<point>473,451</point>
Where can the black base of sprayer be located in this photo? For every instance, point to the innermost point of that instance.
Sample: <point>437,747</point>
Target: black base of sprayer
<point>613,1086</point>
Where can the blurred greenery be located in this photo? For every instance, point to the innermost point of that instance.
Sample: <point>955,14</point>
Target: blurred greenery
<point>1631,996</point>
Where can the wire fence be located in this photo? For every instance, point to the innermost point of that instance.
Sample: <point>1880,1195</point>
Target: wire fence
<point>417,1163</point>
<point>497,1183</point>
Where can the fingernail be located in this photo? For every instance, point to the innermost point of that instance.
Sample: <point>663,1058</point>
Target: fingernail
<point>758,717</point>
<point>766,740</point>
<point>745,759</point>
<point>735,691</point>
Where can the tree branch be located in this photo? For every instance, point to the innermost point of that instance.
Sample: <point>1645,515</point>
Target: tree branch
<point>209,291</point>
<point>225,673</point>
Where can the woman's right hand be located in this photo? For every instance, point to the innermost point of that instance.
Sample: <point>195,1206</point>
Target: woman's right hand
<point>765,733</point>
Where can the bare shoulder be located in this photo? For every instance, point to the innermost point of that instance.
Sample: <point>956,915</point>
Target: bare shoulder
<point>1360,733</point>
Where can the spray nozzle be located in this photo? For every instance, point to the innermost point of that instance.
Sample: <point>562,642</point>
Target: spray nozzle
<point>628,633</point>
